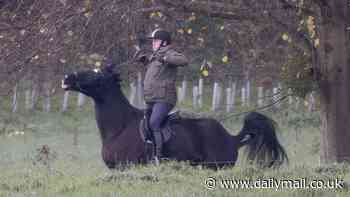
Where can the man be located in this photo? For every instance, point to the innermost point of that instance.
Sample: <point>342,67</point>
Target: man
<point>159,83</point>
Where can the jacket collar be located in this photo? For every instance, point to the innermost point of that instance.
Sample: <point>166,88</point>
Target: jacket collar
<point>160,51</point>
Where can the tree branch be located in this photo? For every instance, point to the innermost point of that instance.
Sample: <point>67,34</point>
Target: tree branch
<point>214,9</point>
<point>286,5</point>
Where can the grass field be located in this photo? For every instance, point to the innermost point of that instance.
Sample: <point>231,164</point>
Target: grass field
<point>74,166</point>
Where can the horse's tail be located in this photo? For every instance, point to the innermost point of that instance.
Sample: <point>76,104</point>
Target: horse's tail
<point>259,136</point>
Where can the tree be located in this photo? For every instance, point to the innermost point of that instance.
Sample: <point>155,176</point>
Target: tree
<point>334,78</point>
<point>330,58</point>
<point>50,37</point>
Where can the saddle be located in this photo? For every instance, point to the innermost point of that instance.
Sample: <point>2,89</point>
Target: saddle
<point>166,132</point>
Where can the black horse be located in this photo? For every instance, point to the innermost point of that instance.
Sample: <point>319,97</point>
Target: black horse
<point>200,141</point>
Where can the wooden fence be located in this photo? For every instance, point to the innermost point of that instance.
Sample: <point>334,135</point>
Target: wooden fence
<point>221,98</point>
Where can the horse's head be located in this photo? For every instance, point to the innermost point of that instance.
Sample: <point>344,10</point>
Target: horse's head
<point>95,82</point>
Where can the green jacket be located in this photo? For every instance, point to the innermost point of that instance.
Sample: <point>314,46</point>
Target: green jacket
<point>159,83</point>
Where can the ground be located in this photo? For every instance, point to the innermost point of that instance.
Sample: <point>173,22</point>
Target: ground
<point>58,154</point>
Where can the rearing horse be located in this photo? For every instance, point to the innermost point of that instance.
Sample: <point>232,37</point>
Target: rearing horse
<point>200,141</point>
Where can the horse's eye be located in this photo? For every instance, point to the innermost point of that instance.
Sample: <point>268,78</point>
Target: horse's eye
<point>96,70</point>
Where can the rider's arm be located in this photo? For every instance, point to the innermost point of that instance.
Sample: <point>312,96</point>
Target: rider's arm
<point>175,58</point>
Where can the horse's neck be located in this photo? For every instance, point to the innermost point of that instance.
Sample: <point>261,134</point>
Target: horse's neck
<point>113,113</point>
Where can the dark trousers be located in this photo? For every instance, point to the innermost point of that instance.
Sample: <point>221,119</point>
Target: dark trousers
<point>157,112</point>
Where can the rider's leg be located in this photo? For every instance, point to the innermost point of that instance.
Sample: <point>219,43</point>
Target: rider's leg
<point>147,115</point>
<point>159,113</point>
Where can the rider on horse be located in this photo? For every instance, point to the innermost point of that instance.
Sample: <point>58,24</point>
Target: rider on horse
<point>159,84</point>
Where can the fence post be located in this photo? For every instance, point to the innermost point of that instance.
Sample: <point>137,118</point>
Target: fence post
<point>218,99</point>
<point>200,92</point>
<point>195,97</point>
<point>311,106</point>
<point>248,93</point>
<point>65,101</point>
<point>139,90</point>
<point>260,96</point>
<point>275,97</point>
<point>243,96</point>
<point>14,99</point>
<point>27,96</point>
<point>133,92</point>
<point>215,89</point>
<point>47,97</point>
<point>184,89</point>
<point>234,91</point>
<point>81,100</point>
<point>297,103</point>
<point>34,97</point>
<point>179,94</point>
<point>290,97</point>
<point>228,99</point>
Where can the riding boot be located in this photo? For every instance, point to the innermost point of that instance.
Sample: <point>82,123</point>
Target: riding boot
<point>158,145</point>
<point>148,131</point>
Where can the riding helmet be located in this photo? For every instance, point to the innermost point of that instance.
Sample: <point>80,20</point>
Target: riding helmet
<point>160,34</point>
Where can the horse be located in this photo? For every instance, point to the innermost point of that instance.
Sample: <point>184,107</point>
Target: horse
<point>201,141</point>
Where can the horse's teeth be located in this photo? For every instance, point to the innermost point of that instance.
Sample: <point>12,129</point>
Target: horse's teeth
<point>63,85</point>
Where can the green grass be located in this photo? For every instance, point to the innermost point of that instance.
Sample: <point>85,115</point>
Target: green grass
<point>75,168</point>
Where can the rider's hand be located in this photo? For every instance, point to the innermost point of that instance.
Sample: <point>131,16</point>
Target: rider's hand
<point>161,58</point>
<point>140,56</point>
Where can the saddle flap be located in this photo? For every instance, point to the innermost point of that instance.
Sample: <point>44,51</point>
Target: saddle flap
<point>167,132</point>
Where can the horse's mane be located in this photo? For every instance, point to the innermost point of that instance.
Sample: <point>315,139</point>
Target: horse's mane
<point>117,80</point>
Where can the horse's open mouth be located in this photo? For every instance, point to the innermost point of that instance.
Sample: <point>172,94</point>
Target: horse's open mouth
<point>64,85</point>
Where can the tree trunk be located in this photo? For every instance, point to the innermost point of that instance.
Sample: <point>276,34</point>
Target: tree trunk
<point>334,84</point>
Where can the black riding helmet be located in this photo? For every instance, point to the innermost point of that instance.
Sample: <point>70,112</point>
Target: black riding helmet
<point>162,35</point>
